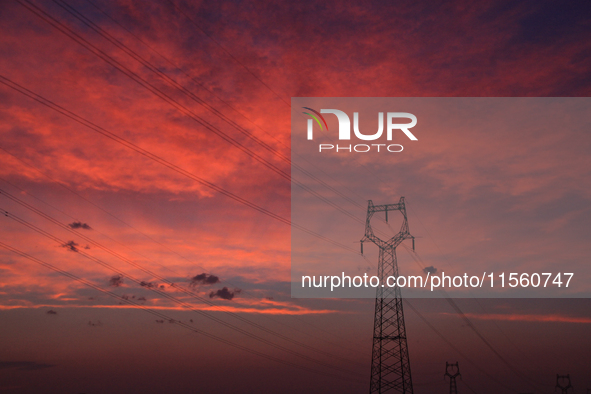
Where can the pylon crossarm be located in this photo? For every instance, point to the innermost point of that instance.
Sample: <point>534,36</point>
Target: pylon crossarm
<point>391,243</point>
<point>387,207</point>
<point>397,239</point>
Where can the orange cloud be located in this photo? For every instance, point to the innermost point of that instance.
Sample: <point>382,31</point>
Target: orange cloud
<point>553,318</point>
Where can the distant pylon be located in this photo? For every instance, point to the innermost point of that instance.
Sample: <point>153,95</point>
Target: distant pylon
<point>390,365</point>
<point>452,374</point>
<point>563,383</point>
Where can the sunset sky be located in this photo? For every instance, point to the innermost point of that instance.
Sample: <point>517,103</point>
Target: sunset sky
<point>144,151</point>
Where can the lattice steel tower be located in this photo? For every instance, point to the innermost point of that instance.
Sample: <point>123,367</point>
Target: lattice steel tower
<point>452,371</point>
<point>563,383</point>
<point>390,365</point>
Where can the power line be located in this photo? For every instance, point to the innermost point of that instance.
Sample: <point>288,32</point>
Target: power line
<point>153,274</point>
<point>487,343</point>
<point>155,289</point>
<point>432,327</point>
<point>70,33</point>
<point>159,93</point>
<point>71,217</point>
<point>468,386</point>
<point>461,314</point>
<point>164,162</point>
<point>283,157</point>
<point>144,83</point>
<point>166,317</point>
<point>316,328</point>
<point>129,145</point>
<point>132,146</point>
<point>228,52</point>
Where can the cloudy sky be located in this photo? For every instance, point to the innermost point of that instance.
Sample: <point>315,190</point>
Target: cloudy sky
<point>146,192</point>
<point>491,184</point>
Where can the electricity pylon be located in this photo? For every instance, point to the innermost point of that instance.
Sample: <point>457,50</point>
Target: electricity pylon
<point>390,365</point>
<point>563,383</point>
<point>453,387</point>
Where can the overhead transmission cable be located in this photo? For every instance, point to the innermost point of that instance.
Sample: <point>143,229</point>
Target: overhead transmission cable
<point>164,162</point>
<point>233,108</point>
<point>482,338</point>
<point>225,50</point>
<point>166,317</point>
<point>144,234</point>
<point>162,293</point>
<point>167,98</point>
<point>229,53</point>
<point>160,277</point>
<point>124,142</point>
<point>210,37</point>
